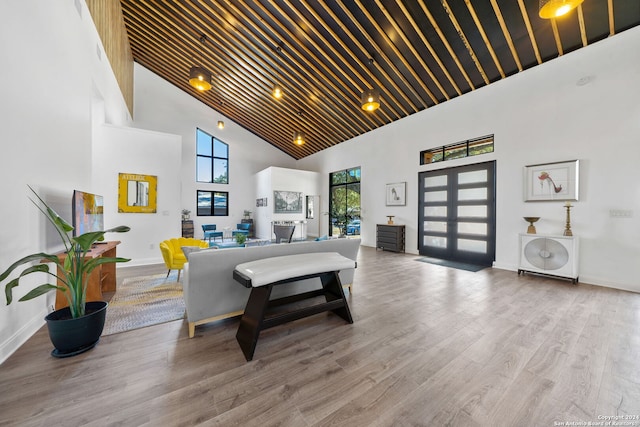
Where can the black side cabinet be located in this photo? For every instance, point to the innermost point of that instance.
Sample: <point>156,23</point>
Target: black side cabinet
<point>390,237</point>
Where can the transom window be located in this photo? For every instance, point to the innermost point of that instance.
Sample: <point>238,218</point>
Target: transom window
<point>470,147</point>
<point>212,159</point>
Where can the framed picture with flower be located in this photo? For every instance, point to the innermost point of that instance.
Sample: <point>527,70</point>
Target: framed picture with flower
<point>552,181</point>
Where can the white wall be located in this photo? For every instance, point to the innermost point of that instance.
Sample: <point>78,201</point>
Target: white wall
<point>130,150</point>
<point>540,115</point>
<point>51,74</point>
<point>162,107</point>
<point>281,179</point>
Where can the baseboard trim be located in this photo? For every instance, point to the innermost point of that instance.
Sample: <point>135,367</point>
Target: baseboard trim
<point>21,336</point>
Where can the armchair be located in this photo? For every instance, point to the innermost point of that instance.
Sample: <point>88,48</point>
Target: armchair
<point>283,233</point>
<point>172,253</point>
<point>241,229</point>
<point>209,231</point>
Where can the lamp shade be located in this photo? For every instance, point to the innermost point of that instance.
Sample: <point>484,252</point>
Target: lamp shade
<point>277,91</point>
<point>220,124</point>
<point>550,9</point>
<point>298,138</point>
<point>370,100</point>
<point>200,78</point>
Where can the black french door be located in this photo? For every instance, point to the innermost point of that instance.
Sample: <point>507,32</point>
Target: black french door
<point>457,213</point>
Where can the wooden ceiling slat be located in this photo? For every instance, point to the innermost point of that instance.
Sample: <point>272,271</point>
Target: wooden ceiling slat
<point>444,40</point>
<point>349,109</point>
<point>380,54</point>
<point>395,50</point>
<point>532,37</point>
<point>583,30</point>
<point>323,64</point>
<point>506,33</point>
<point>309,27</point>
<point>364,53</point>
<point>428,45</point>
<point>485,38</point>
<point>612,27</point>
<point>411,48</point>
<point>180,81</point>
<point>464,39</point>
<point>291,116</point>
<point>556,36</point>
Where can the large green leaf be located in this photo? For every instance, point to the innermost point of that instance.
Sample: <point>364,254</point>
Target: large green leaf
<point>40,290</point>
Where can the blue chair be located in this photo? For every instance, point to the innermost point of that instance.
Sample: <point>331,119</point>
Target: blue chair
<point>210,231</point>
<point>241,229</point>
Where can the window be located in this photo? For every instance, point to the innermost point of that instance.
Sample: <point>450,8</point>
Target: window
<point>470,147</point>
<point>213,203</point>
<point>212,159</point>
<point>344,202</point>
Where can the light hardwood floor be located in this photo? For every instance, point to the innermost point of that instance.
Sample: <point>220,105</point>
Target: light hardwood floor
<point>430,346</point>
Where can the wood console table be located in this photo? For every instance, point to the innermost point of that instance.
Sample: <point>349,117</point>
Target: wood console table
<point>102,279</point>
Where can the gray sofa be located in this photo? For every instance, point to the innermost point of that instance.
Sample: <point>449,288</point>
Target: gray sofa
<point>211,293</point>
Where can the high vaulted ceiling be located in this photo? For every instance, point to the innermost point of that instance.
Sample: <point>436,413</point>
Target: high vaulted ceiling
<point>424,52</point>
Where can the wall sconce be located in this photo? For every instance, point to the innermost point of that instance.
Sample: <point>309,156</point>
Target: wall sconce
<point>298,138</point>
<point>550,9</point>
<point>220,124</point>
<point>199,77</point>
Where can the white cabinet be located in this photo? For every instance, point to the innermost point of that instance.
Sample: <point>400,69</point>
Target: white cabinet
<point>552,255</point>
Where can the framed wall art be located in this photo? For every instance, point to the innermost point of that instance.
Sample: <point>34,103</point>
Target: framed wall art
<point>137,193</point>
<point>396,194</point>
<point>552,181</point>
<point>287,202</point>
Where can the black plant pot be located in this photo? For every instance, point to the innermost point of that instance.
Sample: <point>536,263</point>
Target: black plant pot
<point>74,336</point>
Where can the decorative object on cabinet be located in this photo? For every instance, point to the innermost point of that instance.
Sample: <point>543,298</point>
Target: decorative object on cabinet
<point>390,237</point>
<point>137,193</point>
<point>187,228</point>
<point>396,194</point>
<point>390,220</point>
<point>567,226</point>
<point>552,181</point>
<point>186,214</point>
<point>531,219</point>
<point>549,255</point>
<point>287,202</point>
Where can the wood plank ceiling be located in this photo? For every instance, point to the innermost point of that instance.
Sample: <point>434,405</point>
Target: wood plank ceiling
<point>424,52</point>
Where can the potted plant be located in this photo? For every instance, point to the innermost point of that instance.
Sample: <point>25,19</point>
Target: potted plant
<point>67,326</point>
<point>186,214</point>
<point>241,238</point>
<point>247,214</point>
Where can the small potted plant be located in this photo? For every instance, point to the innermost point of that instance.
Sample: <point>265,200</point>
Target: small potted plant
<point>76,328</point>
<point>186,214</point>
<point>247,214</point>
<point>241,238</point>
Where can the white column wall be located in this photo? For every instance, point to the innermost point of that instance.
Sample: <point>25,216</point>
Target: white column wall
<point>538,116</point>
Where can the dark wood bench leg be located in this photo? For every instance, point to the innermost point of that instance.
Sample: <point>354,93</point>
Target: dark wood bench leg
<point>251,321</point>
<point>333,291</point>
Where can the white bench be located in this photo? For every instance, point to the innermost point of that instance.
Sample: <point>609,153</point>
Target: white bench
<point>262,275</point>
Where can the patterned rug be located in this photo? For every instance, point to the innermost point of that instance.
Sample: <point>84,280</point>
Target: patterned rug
<point>144,301</point>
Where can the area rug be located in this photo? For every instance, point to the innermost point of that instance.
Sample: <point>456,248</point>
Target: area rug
<point>452,264</point>
<point>144,301</point>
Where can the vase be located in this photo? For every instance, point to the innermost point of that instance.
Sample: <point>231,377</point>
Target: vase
<point>71,336</point>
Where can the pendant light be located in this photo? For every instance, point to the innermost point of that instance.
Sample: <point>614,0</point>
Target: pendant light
<point>220,124</point>
<point>199,77</point>
<point>550,9</point>
<point>298,138</point>
<point>370,99</point>
<point>277,89</point>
